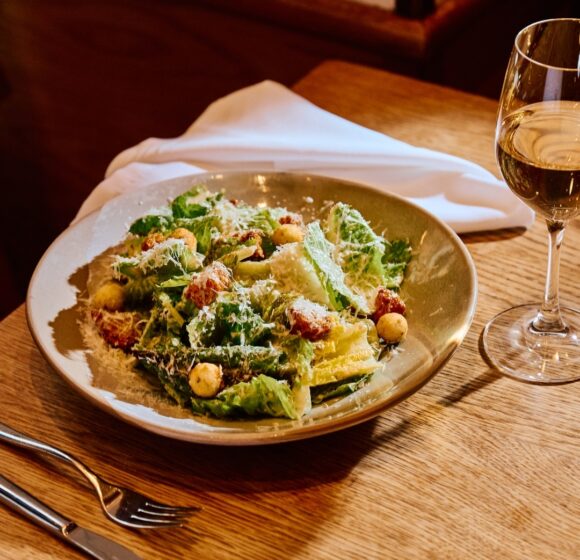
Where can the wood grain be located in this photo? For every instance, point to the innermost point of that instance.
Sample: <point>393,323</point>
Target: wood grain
<point>474,465</point>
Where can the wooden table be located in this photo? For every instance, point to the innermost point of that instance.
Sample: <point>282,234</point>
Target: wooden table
<point>474,465</point>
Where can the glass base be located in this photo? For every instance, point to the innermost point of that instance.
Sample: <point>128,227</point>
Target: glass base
<point>515,348</point>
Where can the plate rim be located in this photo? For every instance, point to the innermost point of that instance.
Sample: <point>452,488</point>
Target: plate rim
<point>297,432</point>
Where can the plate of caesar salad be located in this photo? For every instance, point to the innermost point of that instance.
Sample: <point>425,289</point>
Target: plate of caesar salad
<point>248,308</point>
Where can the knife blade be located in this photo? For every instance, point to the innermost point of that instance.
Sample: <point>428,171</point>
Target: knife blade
<point>92,544</point>
<point>98,546</point>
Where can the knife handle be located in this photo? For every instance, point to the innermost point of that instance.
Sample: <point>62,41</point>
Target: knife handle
<point>22,502</point>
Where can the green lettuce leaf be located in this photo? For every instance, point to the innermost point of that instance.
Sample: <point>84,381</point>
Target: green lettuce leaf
<point>245,360</point>
<point>202,328</point>
<point>337,389</point>
<point>146,224</point>
<point>300,354</point>
<point>139,291</point>
<point>230,320</point>
<point>261,396</point>
<point>205,228</point>
<point>194,203</point>
<point>319,252</point>
<point>240,324</point>
<point>344,354</point>
<point>367,259</point>
<point>167,259</point>
<point>397,256</point>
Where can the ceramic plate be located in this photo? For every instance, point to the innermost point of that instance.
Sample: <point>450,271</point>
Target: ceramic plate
<point>439,289</point>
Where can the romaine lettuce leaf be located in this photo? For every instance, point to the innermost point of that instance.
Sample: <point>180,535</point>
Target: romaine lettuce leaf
<point>243,217</point>
<point>270,302</point>
<point>146,224</point>
<point>165,322</point>
<point>245,360</point>
<point>230,320</point>
<point>169,258</point>
<point>194,203</point>
<point>294,273</point>
<point>345,353</point>
<point>329,391</point>
<point>205,228</point>
<point>319,252</point>
<point>397,256</point>
<point>263,219</point>
<point>261,396</point>
<point>202,328</point>
<point>139,291</point>
<point>239,323</point>
<point>247,271</point>
<point>168,315</point>
<point>300,353</point>
<point>367,259</point>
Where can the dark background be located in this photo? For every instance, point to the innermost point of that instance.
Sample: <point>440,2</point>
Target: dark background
<point>81,80</point>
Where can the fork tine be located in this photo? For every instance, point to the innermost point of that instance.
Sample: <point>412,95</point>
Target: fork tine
<point>134,524</point>
<point>161,515</point>
<point>153,522</point>
<point>176,509</point>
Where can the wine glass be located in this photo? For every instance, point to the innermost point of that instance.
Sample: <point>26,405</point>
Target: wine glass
<point>538,151</point>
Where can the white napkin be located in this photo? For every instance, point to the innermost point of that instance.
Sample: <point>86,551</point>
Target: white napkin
<point>268,127</point>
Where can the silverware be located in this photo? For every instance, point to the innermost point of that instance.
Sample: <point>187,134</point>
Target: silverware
<point>90,543</point>
<point>121,505</point>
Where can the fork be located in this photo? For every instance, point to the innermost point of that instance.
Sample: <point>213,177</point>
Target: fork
<point>121,505</point>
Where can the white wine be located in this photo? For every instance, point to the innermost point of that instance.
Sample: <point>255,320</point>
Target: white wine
<point>538,151</point>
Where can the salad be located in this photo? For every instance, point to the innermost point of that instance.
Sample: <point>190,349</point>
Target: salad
<point>237,310</point>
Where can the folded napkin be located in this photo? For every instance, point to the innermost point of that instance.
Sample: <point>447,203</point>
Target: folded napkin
<point>268,127</point>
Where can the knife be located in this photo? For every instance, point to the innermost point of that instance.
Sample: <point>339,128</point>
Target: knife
<point>90,543</point>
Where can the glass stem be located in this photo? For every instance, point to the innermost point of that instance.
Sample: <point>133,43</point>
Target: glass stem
<point>549,320</point>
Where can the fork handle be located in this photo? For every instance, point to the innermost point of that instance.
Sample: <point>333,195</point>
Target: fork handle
<point>19,439</point>
<point>26,504</point>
